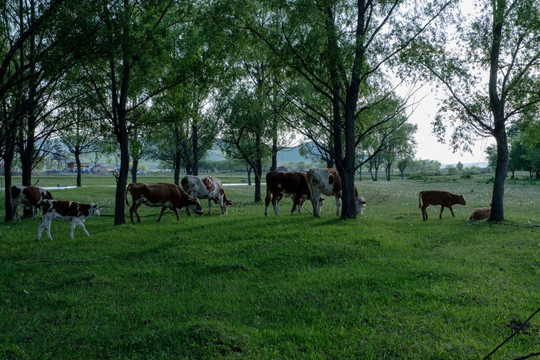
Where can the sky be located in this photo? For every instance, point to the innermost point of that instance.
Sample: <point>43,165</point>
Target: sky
<point>428,147</point>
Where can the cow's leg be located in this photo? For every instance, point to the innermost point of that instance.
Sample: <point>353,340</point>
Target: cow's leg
<point>48,226</point>
<point>176,213</point>
<point>210,206</point>
<point>424,213</point>
<point>315,197</point>
<point>42,225</point>
<point>295,204</point>
<point>267,201</point>
<point>81,225</point>
<point>34,212</point>
<point>15,209</point>
<point>452,211</point>
<point>221,204</point>
<point>275,204</point>
<point>442,208</point>
<point>134,209</point>
<point>337,206</point>
<point>161,214</point>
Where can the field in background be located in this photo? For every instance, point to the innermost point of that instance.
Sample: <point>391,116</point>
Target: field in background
<point>384,286</point>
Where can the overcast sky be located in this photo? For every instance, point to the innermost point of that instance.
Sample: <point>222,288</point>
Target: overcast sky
<point>428,147</point>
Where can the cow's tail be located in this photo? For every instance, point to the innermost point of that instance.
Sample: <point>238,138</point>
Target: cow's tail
<point>127,190</point>
<point>420,199</point>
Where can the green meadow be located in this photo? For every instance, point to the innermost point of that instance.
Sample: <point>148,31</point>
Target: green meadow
<point>244,286</point>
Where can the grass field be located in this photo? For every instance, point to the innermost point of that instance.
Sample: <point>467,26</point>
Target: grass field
<point>246,286</point>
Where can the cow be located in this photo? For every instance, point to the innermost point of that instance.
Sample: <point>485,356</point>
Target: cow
<point>160,195</point>
<point>65,210</point>
<point>480,213</point>
<point>328,182</point>
<point>289,183</point>
<point>207,187</point>
<point>29,196</point>
<point>437,197</point>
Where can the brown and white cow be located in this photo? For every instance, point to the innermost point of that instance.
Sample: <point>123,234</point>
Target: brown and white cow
<point>438,197</point>
<point>289,183</point>
<point>65,210</point>
<point>207,187</point>
<point>161,195</point>
<point>328,182</point>
<point>29,196</point>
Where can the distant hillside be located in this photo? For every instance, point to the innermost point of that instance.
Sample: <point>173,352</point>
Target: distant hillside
<point>285,156</point>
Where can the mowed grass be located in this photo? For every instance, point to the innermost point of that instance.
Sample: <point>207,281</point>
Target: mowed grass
<point>383,286</point>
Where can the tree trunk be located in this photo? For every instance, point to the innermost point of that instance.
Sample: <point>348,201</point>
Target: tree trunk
<point>249,169</point>
<point>134,168</point>
<point>119,217</point>
<point>8,163</point>
<point>501,171</point>
<point>273,167</point>
<point>176,168</point>
<point>78,161</point>
<point>258,174</point>
<point>195,167</point>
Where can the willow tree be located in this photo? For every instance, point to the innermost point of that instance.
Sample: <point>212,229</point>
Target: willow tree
<point>490,72</point>
<point>341,49</point>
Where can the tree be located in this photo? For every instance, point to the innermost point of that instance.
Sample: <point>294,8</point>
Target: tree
<point>36,47</point>
<point>124,66</point>
<point>339,49</point>
<point>502,42</point>
<point>244,131</point>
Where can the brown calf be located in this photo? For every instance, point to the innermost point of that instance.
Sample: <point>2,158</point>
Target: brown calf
<point>436,197</point>
<point>290,183</point>
<point>161,195</point>
<point>480,214</point>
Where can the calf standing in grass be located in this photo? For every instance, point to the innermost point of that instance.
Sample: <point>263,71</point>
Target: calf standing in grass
<point>436,197</point>
<point>66,210</point>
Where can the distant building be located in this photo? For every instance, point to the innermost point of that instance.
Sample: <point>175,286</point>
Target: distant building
<point>72,166</point>
<point>102,169</point>
<point>281,168</point>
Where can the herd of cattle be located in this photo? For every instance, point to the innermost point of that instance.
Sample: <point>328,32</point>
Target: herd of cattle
<point>299,186</point>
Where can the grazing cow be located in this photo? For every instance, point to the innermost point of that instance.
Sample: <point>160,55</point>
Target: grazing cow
<point>290,183</point>
<point>65,210</point>
<point>207,187</point>
<point>436,197</point>
<point>29,196</point>
<point>328,182</point>
<point>161,195</point>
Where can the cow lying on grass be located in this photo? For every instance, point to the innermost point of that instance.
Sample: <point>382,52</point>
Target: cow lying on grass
<point>29,196</point>
<point>436,197</point>
<point>65,210</point>
<point>480,214</point>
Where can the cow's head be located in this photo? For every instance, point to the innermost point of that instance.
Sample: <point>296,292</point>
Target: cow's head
<point>360,203</point>
<point>226,204</point>
<point>461,200</point>
<point>194,204</point>
<point>93,211</point>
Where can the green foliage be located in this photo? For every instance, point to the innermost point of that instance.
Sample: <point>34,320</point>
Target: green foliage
<point>386,285</point>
